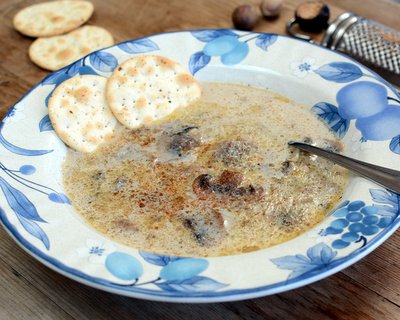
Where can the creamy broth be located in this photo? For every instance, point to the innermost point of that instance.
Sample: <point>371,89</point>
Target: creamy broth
<point>214,178</point>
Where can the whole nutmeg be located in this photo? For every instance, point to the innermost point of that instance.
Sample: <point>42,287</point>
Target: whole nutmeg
<point>271,8</point>
<point>245,17</point>
<point>312,16</point>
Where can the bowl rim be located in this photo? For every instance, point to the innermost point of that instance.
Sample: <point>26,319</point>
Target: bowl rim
<point>227,295</point>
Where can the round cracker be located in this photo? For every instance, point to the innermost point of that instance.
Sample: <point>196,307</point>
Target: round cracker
<point>149,87</point>
<point>79,112</point>
<point>53,53</point>
<point>52,18</point>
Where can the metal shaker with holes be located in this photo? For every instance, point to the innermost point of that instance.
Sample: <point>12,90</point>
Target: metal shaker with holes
<point>373,44</point>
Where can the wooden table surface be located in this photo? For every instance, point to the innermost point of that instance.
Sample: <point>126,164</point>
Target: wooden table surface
<point>370,289</point>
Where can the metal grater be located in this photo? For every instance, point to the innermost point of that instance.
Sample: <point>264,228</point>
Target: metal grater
<point>373,44</point>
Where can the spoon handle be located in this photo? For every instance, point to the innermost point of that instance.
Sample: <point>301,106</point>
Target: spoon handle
<point>386,177</point>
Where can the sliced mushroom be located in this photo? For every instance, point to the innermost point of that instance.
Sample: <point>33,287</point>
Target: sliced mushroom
<point>254,192</point>
<point>182,141</point>
<point>228,181</point>
<point>227,184</point>
<point>207,226</point>
<point>203,185</point>
<point>287,167</point>
<point>232,152</point>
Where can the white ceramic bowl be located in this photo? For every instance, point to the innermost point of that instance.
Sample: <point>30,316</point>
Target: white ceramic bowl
<point>37,214</point>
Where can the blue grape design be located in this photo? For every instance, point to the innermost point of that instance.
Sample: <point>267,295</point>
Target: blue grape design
<point>355,221</point>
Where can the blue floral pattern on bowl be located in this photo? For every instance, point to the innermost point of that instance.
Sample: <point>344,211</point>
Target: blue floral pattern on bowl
<point>366,102</point>
<point>36,212</point>
<point>228,45</point>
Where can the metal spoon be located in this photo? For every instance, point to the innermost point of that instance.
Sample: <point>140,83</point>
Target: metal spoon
<point>386,177</point>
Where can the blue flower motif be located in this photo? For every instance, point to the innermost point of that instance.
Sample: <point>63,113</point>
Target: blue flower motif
<point>305,67</point>
<point>319,257</point>
<point>95,251</point>
<point>302,68</point>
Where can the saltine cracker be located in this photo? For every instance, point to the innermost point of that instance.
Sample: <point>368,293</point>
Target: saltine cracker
<point>79,112</point>
<point>53,53</point>
<point>52,18</point>
<point>149,87</point>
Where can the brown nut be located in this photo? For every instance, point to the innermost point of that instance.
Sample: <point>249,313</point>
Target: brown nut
<point>271,8</point>
<point>312,16</point>
<point>245,17</point>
